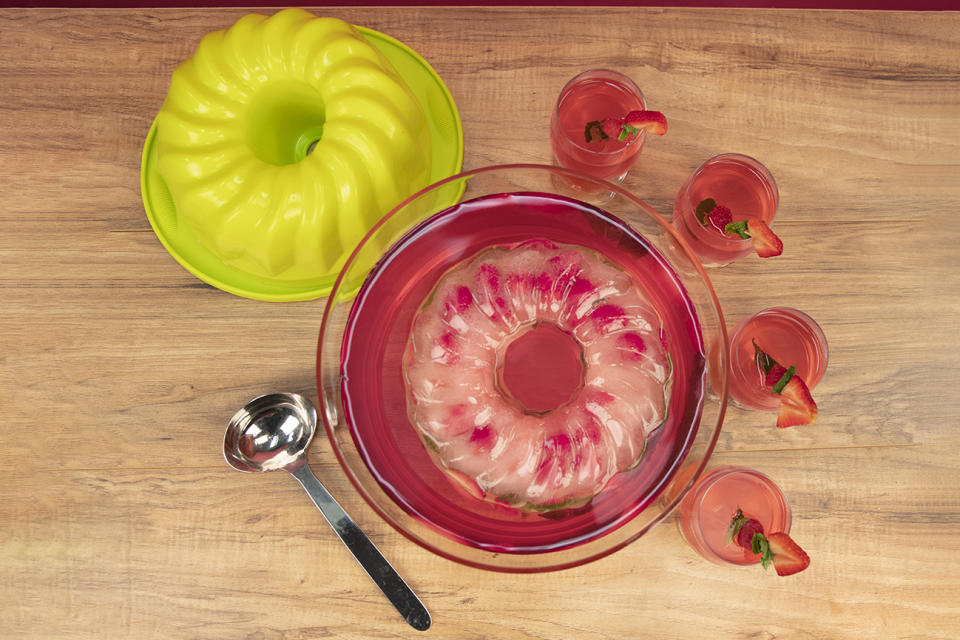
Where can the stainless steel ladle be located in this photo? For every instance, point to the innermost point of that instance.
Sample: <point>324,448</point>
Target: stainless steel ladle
<point>272,432</point>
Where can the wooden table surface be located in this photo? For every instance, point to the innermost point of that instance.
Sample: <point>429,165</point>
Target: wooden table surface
<point>119,370</point>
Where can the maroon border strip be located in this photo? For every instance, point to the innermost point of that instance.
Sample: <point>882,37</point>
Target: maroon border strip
<point>878,5</point>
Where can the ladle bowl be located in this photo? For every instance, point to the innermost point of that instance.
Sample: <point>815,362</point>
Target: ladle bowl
<point>272,432</point>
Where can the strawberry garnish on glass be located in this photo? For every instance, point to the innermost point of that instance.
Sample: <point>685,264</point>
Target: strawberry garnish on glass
<point>765,241</point>
<point>796,404</point>
<point>626,127</point>
<point>779,548</point>
<point>720,219</point>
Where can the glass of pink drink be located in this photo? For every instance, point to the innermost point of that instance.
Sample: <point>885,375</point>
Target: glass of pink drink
<point>787,335</point>
<point>590,96</point>
<point>737,182</point>
<point>707,510</point>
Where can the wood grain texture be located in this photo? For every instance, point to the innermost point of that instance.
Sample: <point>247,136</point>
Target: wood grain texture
<point>118,369</point>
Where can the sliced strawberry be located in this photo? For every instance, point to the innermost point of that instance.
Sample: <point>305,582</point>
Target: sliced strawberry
<point>457,302</point>
<point>464,298</point>
<point>742,530</point>
<point>612,127</point>
<point>538,243</point>
<point>774,375</point>
<point>788,557</point>
<point>626,127</point>
<point>483,438</point>
<point>488,275</point>
<point>791,416</point>
<point>543,284</point>
<point>796,404</point>
<point>650,121</point>
<point>448,353</point>
<point>597,396</point>
<point>745,537</point>
<point>608,317</point>
<point>632,345</point>
<point>719,218</point>
<point>765,241</point>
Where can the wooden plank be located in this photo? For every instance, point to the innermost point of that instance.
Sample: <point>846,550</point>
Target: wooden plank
<point>209,553</point>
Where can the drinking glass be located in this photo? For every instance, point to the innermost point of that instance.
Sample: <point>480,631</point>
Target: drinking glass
<point>737,182</point>
<point>591,96</point>
<point>787,335</point>
<point>707,510</point>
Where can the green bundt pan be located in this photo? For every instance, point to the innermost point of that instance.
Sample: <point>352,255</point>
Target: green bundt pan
<point>181,241</point>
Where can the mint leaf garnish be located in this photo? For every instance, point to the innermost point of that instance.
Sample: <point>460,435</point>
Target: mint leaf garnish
<point>706,206</point>
<point>626,131</point>
<point>760,545</point>
<point>764,361</point>
<point>552,507</point>
<point>738,228</point>
<point>431,444</point>
<point>784,379</point>
<point>589,133</point>
<point>735,525</point>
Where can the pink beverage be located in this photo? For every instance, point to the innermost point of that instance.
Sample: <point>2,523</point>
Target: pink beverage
<point>590,96</point>
<point>735,181</point>
<point>542,369</point>
<point>374,394</point>
<point>706,512</point>
<point>790,337</point>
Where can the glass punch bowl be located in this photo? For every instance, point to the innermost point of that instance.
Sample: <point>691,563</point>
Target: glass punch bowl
<point>368,318</point>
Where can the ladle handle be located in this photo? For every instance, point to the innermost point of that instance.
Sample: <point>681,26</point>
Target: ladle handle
<point>369,557</point>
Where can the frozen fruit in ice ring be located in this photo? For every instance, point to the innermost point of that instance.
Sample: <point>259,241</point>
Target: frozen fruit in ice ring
<point>478,431</point>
